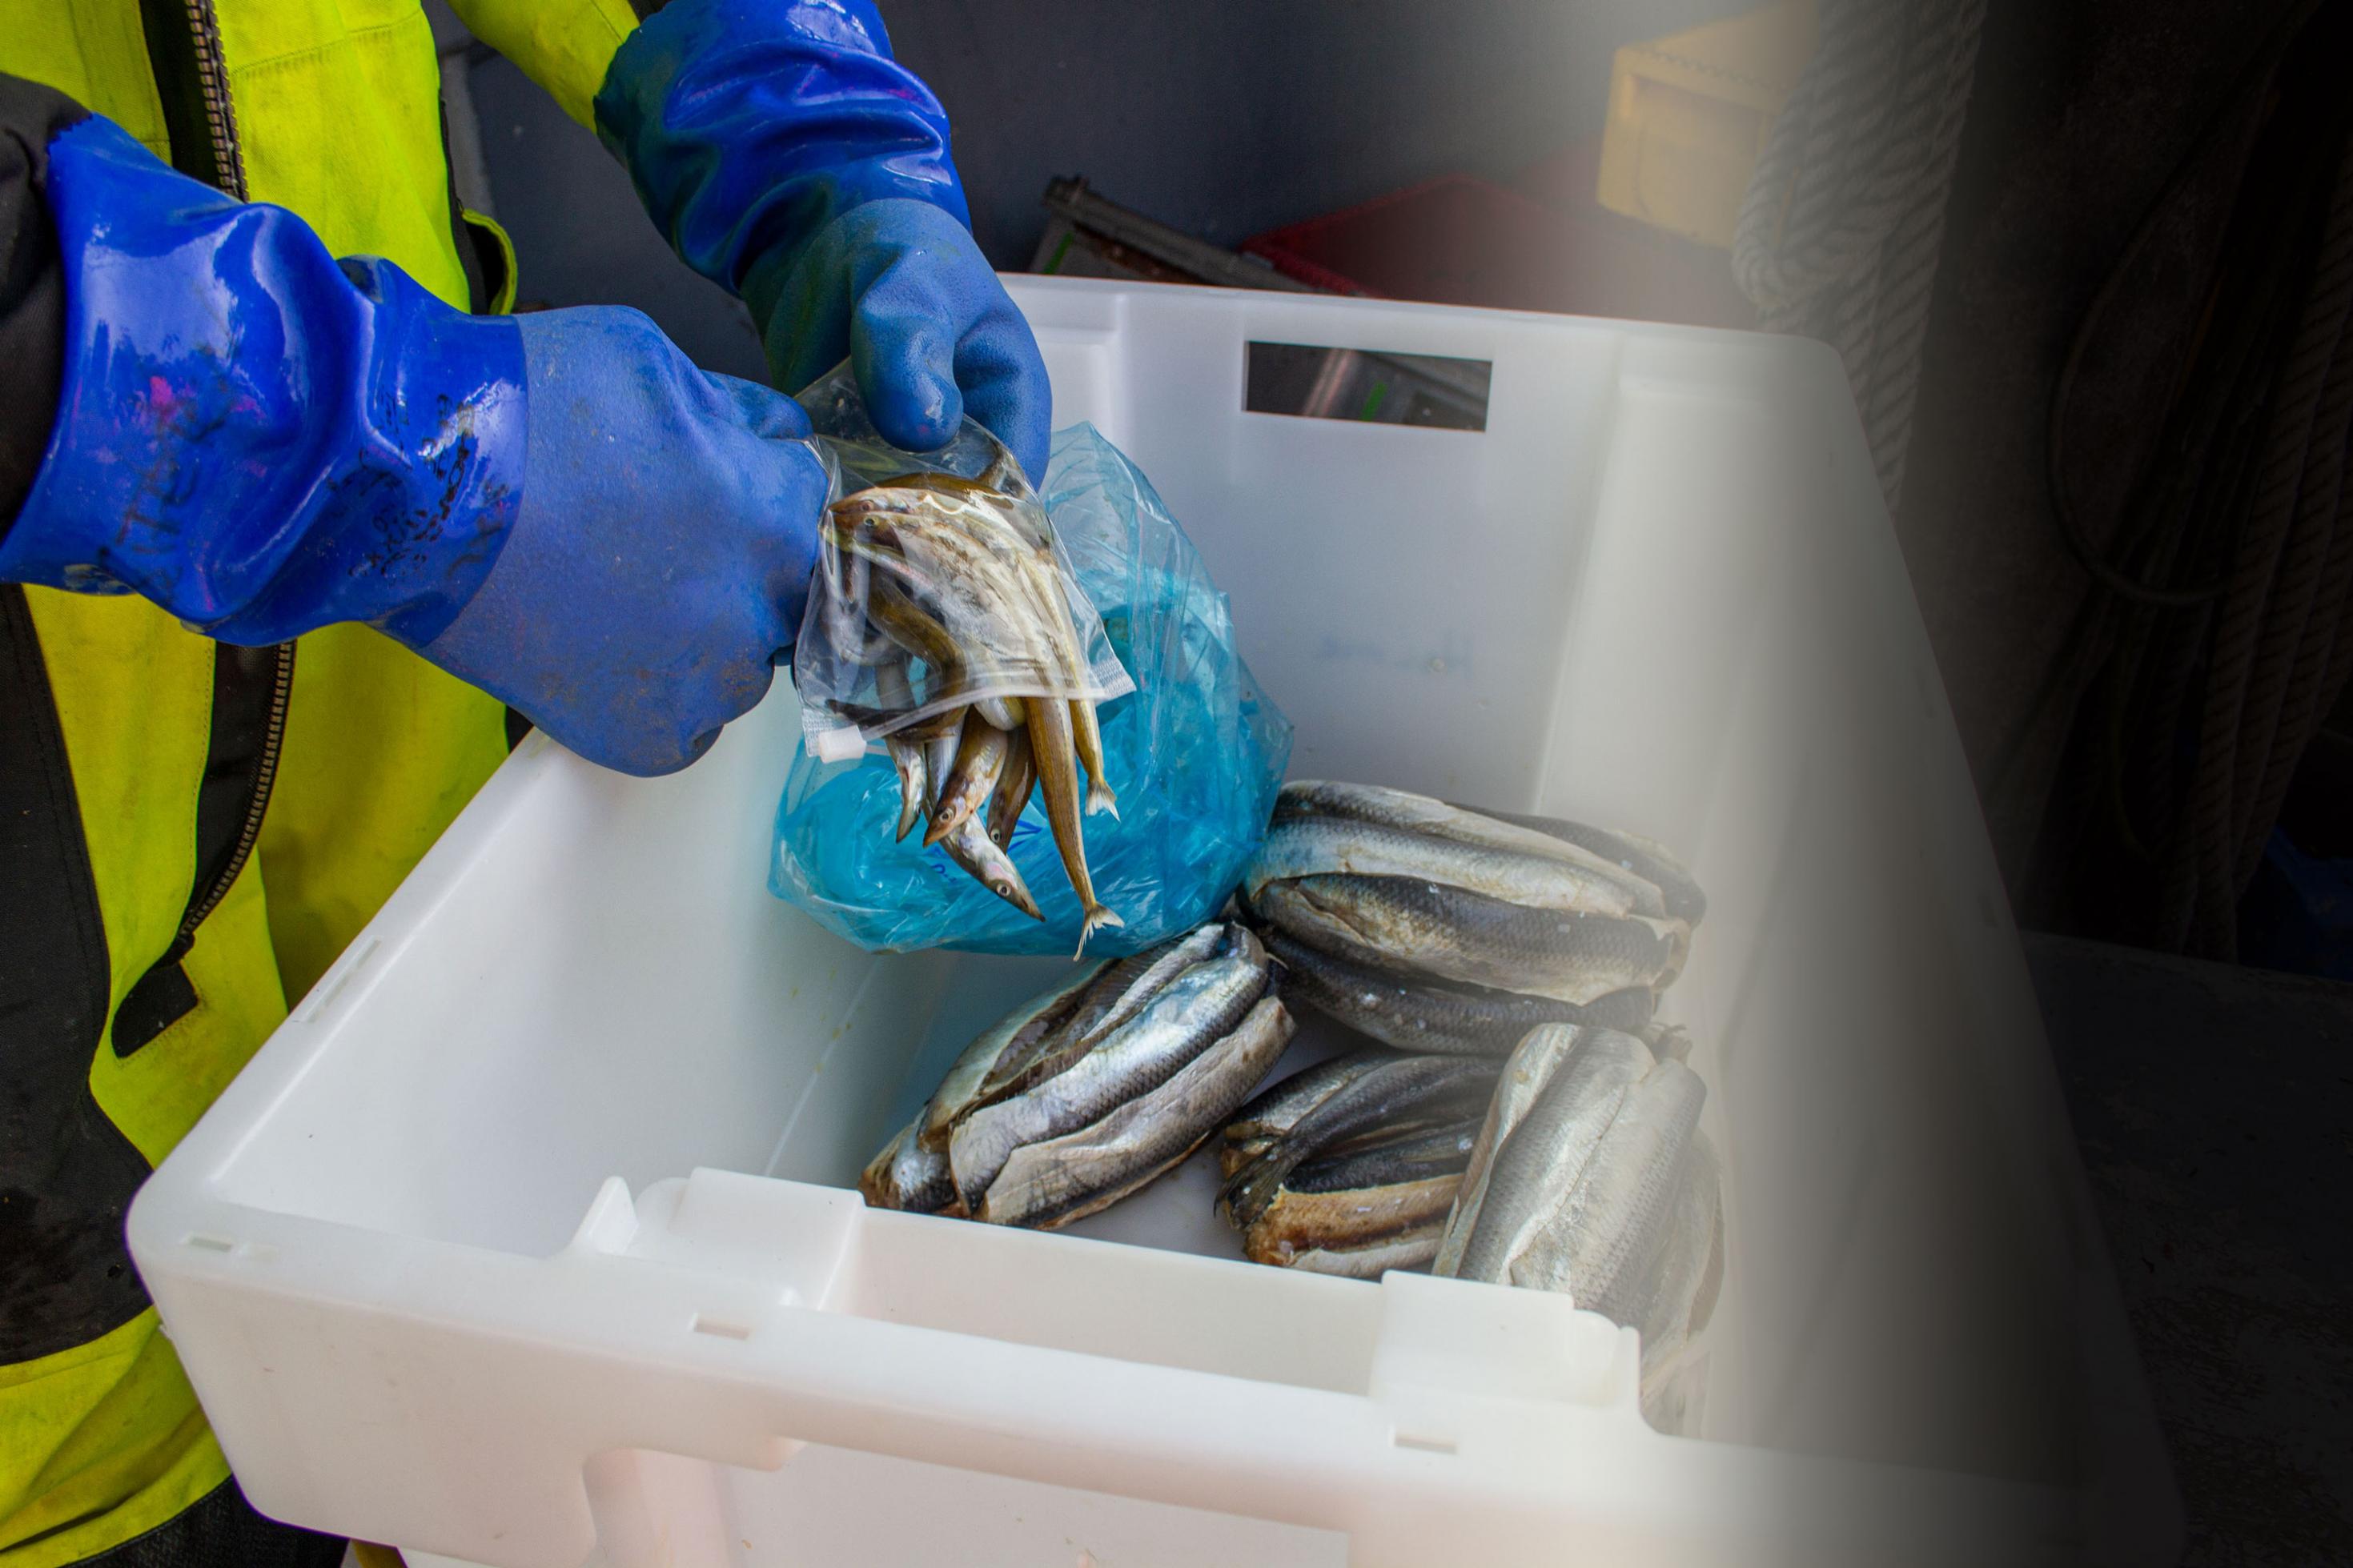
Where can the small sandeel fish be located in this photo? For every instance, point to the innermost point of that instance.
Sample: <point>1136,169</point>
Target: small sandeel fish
<point>1011,795</point>
<point>964,575</point>
<point>1053,750</point>
<point>979,760</point>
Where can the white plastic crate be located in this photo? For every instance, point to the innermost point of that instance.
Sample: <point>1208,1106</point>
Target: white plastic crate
<point>532,1237</point>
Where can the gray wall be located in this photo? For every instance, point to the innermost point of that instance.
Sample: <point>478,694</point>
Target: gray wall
<point>1224,117</point>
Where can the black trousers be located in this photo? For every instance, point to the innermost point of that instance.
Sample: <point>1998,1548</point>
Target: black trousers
<point>221,1531</point>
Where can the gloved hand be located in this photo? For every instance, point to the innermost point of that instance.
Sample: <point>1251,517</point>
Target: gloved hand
<point>658,568</point>
<point>789,158</point>
<point>560,509</point>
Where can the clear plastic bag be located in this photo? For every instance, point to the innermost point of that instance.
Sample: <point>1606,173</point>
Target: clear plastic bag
<point>931,592</point>
<point>1195,751</point>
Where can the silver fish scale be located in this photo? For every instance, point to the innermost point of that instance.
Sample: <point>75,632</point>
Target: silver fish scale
<point>1426,928</point>
<point>1431,818</point>
<point>1530,1066</point>
<point>1307,846</point>
<point>1601,1239</point>
<point>1422,1085</point>
<point>1670,1309</point>
<point>970,1072</point>
<point>1196,1008</point>
<point>1551,1149</point>
<point>1191,1013</point>
<point>1420,1017</point>
<point>1053,1180</point>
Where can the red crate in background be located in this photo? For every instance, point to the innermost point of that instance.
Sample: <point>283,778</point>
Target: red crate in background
<point>1550,246</point>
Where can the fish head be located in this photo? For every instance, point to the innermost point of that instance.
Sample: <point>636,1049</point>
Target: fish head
<point>1011,891</point>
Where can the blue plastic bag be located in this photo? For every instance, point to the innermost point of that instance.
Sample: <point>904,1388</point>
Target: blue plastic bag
<point>1197,752</point>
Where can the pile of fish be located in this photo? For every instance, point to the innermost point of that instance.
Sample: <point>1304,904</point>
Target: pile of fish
<point>1087,1093</point>
<point>1523,1119</point>
<point>961,574</point>
<point>1542,1129</point>
<point>1589,1175</point>
<point>1431,926</point>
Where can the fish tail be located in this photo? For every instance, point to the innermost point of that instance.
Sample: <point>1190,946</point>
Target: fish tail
<point>1097,918</point>
<point>1100,798</point>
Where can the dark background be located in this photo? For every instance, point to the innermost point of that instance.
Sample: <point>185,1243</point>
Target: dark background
<point>2213,1101</point>
<point>1223,118</point>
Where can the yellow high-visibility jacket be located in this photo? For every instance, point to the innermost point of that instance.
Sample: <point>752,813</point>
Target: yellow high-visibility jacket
<point>190,832</point>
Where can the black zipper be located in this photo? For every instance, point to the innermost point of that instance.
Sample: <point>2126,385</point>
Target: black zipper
<point>228,166</point>
<point>212,84</point>
<point>192,78</point>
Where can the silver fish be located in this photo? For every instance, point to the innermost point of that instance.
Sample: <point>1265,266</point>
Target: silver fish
<point>1118,992</point>
<point>1352,1202</point>
<point>1197,1008</point>
<point>893,691</point>
<point>1646,858</point>
<point>1404,1250</point>
<point>906,1176</point>
<point>1424,1016</point>
<point>964,575</point>
<point>1389,1094</point>
<point>914,780</point>
<point>1011,795</point>
<point>1534,1166</point>
<point>970,847</point>
<point>1305,846</point>
<point>1421,814</point>
<point>1679,1294</point>
<point>1530,1066</point>
<point>1051,748</point>
<point>1086,736</point>
<point>1684,1283</point>
<point>1455,934</point>
<point>971,778</point>
<point>1057,1180</point>
<point>1014,1031</point>
<point>1599,1243</point>
<point>940,751</point>
<point>1257,1125</point>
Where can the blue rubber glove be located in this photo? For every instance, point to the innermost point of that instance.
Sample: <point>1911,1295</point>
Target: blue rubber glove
<point>263,440</point>
<point>789,159</point>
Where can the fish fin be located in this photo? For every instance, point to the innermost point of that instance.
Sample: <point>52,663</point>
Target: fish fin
<point>1097,918</point>
<point>1100,798</point>
<point>1251,1191</point>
